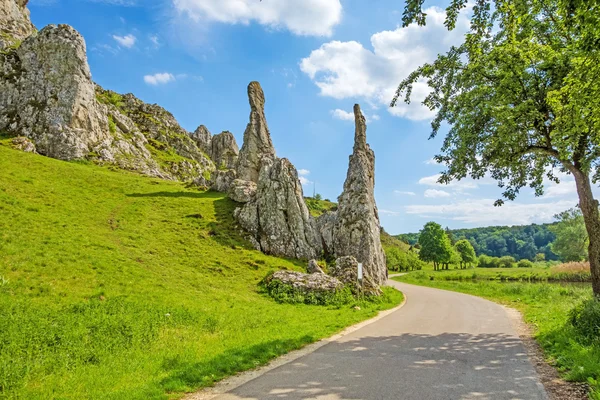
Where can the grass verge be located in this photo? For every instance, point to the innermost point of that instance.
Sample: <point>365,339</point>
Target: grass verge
<point>546,307</point>
<point>117,286</point>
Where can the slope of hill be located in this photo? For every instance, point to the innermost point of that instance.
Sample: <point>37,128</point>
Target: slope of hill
<point>520,242</point>
<point>114,285</point>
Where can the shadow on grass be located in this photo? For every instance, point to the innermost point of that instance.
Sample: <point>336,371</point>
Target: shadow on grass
<point>194,195</point>
<point>187,376</point>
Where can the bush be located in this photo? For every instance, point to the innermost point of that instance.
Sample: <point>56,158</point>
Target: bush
<point>525,264</point>
<point>506,262</point>
<point>585,318</point>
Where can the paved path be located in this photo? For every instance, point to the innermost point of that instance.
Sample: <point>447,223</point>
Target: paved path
<point>440,345</point>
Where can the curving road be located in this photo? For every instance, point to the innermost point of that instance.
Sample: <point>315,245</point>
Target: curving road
<point>440,345</point>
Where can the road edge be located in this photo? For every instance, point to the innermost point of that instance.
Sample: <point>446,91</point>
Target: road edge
<point>242,378</point>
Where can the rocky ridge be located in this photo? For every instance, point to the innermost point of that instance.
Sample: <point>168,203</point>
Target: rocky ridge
<point>50,105</point>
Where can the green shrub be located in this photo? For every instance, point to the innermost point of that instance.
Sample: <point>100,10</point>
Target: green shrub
<point>506,262</point>
<point>525,264</point>
<point>285,293</point>
<point>585,318</point>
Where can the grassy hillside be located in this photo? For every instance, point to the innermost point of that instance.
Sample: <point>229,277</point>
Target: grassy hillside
<point>116,286</point>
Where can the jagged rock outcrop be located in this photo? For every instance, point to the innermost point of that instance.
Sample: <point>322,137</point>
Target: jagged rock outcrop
<point>325,224</point>
<point>224,150</point>
<point>47,95</point>
<point>257,140</point>
<point>292,286</point>
<point>242,191</point>
<point>346,271</point>
<point>357,229</point>
<point>15,24</point>
<point>23,144</point>
<point>203,138</point>
<point>277,218</point>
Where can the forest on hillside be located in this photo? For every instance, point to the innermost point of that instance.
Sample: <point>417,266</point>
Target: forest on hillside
<point>521,242</point>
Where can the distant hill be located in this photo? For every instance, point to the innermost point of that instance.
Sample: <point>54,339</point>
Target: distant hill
<point>520,242</point>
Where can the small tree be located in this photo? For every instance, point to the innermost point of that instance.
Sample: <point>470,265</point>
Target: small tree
<point>521,98</point>
<point>435,245</point>
<point>571,238</point>
<point>466,252</point>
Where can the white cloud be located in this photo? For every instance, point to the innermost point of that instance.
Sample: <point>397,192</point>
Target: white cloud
<point>405,193</point>
<point>343,115</point>
<point>127,41</point>
<point>389,213</point>
<point>303,172</point>
<point>463,184</point>
<point>375,117</point>
<point>481,212</point>
<point>431,161</point>
<point>434,193</point>
<point>306,17</point>
<point>159,79</point>
<point>347,69</point>
<point>154,40</point>
<point>304,180</point>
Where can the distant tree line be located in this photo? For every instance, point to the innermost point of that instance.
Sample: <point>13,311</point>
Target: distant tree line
<point>530,242</point>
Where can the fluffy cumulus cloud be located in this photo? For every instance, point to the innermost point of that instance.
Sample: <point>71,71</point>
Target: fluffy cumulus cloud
<point>348,69</point>
<point>463,184</point>
<point>343,115</point>
<point>404,193</point>
<point>127,41</point>
<point>481,212</point>
<point>303,176</point>
<point>159,79</point>
<point>305,17</point>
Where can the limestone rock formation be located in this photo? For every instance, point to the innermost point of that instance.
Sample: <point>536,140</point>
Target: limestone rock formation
<point>203,138</point>
<point>313,267</point>
<point>312,287</point>
<point>15,24</point>
<point>224,150</point>
<point>222,180</point>
<point>346,271</point>
<point>357,229</point>
<point>23,144</point>
<point>257,140</point>
<point>277,218</point>
<point>242,191</point>
<point>325,224</point>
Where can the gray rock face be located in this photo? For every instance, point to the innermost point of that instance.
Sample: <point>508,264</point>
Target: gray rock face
<point>257,140</point>
<point>313,267</point>
<point>203,138</point>
<point>15,24</point>
<point>222,180</point>
<point>357,229</point>
<point>277,218</point>
<point>346,271</point>
<point>313,286</point>
<point>325,224</point>
<point>224,150</point>
<point>242,191</point>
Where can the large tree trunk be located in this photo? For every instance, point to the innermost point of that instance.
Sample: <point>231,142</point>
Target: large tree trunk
<point>589,208</point>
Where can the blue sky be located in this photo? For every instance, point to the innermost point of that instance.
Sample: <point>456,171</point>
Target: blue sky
<point>314,59</point>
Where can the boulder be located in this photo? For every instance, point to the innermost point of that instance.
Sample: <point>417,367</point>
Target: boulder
<point>357,229</point>
<point>257,140</point>
<point>23,144</point>
<point>292,286</point>
<point>15,24</point>
<point>242,191</point>
<point>222,180</point>
<point>224,150</point>
<point>346,271</point>
<point>203,138</point>
<point>277,219</point>
<point>313,267</point>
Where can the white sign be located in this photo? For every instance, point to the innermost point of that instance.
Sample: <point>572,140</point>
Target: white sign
<point>360,271</point>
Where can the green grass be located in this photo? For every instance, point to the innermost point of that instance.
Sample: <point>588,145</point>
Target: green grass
<point>546,307</point>
<point>511,274</point>
<point>117,286</point>
<point>319,207</point>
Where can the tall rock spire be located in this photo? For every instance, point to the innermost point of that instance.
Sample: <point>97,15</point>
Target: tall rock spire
<point>357,229</point>
<point>257,140</point>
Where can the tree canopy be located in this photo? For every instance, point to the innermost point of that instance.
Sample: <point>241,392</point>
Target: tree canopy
<point>435,245</point>
<point>571,238</point>
<point>521,98</point>
<point>466,252</point>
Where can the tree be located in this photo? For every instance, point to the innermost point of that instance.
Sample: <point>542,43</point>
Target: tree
<point>571,238</point>
<point>466,252</point>
<point>521,97</point>
<point>435,245</point>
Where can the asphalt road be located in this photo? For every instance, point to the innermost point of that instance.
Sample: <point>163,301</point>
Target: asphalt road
<point>440,345</point>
